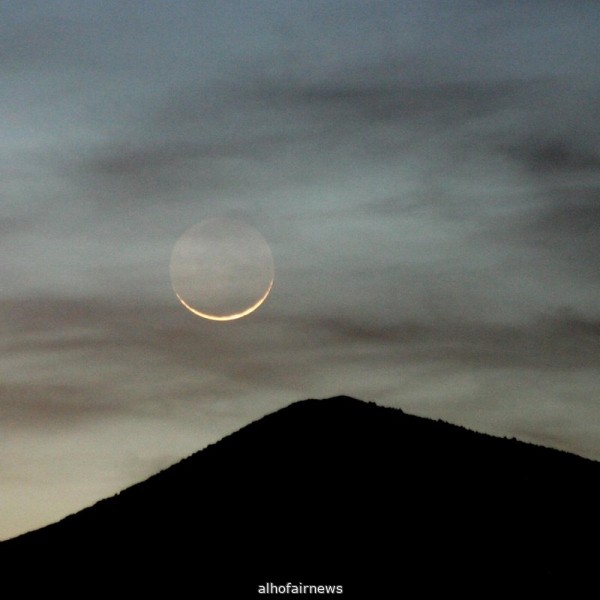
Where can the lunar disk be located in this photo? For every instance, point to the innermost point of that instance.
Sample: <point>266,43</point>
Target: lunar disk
<point>222,269</point>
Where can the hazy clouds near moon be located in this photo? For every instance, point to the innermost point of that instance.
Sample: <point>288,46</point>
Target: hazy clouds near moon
<point>222,268</point>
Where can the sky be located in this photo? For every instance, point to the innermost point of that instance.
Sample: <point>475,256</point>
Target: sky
<point>426,174</point>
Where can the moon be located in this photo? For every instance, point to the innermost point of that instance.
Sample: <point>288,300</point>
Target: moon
<point>222,269</point>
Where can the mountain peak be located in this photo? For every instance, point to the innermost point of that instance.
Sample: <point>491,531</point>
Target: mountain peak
<point>324,490</point>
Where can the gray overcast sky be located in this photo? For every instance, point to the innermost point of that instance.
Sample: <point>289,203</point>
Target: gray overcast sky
<point>427,175</point>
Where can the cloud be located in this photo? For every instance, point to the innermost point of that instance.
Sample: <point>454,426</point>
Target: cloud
<point>546,156</point>
<point>557,229</point>
<point>357,101</point>
<point>224,139</point>
<point>562,340</point>
<point>153,169</point>
<point>78,361</point>
<point>35,40</point>
<point>572,217</point>
<point>15,226</point>
<point>44,405</point>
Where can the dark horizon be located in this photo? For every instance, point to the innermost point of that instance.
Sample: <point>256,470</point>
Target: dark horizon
<point>337,406</point>
<point>293,497</point>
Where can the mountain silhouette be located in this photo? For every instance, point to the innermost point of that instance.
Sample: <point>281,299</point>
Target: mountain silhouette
<point>331,492</point>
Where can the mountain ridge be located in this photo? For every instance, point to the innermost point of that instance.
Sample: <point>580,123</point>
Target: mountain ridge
<point>319,488</point>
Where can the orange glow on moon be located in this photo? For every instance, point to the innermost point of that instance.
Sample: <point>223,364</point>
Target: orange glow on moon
<point>222,269</point>
<point>239,315</point>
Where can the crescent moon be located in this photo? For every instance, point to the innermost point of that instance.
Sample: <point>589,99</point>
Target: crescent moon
<point>232,317</point>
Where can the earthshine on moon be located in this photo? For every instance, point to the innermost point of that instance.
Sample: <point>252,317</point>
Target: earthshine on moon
<point>221,269</point>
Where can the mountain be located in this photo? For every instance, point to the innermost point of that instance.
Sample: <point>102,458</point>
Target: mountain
<point>331,492</point>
